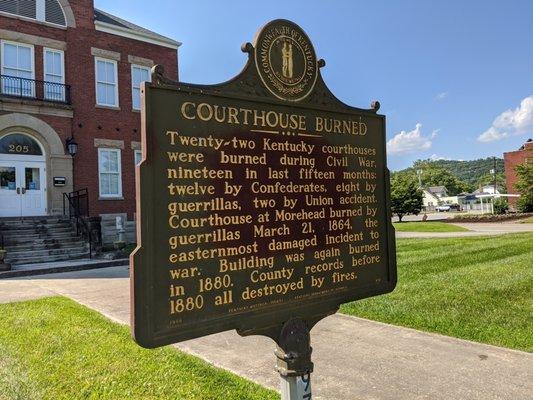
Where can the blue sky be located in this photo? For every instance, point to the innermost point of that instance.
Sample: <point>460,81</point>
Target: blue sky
<point>454,78</point>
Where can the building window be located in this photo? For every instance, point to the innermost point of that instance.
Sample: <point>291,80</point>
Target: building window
<point>41,10</point>
<point>109,172</point>
<point>137,156</point>
<point>138,75</point>
<point>54,75</point>
<point>18,69</point>
<point>106,82</point>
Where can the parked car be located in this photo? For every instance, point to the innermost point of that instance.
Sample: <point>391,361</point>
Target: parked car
<point>443,208</point>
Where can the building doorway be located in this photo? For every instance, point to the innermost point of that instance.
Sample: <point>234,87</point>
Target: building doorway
<point>22,176</point>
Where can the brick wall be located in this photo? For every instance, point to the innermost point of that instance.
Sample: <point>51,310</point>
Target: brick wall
<point>90,122</point>
<point>511,160</point>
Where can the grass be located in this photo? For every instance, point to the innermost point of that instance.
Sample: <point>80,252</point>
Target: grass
<point>527,221</point>
<point>56,349</point>
<point>428,226</point>
<point>475,288</point>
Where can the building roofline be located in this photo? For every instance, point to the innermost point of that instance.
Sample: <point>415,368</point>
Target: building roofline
<point>129,30</point>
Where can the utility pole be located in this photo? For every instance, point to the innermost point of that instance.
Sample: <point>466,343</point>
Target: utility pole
<point>419,173</point>
<point>494,175</point>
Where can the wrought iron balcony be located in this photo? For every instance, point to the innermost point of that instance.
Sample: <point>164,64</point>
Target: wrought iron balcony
<point>12,86</point>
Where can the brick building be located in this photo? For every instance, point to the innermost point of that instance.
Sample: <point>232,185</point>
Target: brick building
<point>68,71</point>
<point>524,155</point>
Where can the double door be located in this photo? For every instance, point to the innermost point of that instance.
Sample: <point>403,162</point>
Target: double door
<point>22,188</point>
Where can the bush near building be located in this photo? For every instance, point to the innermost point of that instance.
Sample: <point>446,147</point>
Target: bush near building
<point>524,186</point>
<point>500,206</point>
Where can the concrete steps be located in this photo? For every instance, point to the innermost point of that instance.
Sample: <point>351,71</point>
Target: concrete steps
<point>13,239</point>
<point>41,240</point>
<point>50,258</point>
<point>46,243</point>
<point>16,252</point>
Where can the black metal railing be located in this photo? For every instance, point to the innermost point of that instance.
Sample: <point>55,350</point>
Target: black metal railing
<point>12,86</point>
<point>76,207</point>
<point>76,203</point>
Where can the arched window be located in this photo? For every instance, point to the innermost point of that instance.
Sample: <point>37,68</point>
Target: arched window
<point>18,144</point>
<point>40,10</point>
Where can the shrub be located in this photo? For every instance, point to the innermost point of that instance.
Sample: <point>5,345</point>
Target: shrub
<point>524,186</point>
<point>488,217</point>
<point>500,206</point>
<point>525,204</point>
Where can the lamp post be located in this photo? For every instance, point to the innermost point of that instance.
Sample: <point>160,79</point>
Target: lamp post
<point>72,149</point>
<point>72,146</point>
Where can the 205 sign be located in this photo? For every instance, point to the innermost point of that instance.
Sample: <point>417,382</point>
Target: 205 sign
<point>18,149</point>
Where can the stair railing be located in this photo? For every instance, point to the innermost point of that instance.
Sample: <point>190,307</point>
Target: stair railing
<point>77,205</point>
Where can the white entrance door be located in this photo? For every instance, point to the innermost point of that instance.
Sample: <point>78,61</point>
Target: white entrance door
<point>10,204</point>
<point>22,188</point>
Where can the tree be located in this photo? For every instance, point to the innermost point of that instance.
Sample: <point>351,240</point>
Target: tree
<point>466,171</point>
<point>406,196</point>
<point>524,186</point>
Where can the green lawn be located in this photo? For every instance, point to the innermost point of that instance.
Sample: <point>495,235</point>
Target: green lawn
<point>476,288</point>
<point>527,221</point>
<point>428,226</point>
<point>56,349</point>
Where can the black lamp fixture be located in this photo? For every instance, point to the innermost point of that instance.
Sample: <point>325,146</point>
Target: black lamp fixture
<point>72,146</point>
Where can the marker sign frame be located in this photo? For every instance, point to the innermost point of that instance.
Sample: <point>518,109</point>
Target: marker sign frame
<point>259,200</point>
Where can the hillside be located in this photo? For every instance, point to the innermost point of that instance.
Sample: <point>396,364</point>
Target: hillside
<point>468,171</point>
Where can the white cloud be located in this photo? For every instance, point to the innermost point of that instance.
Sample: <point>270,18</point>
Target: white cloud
<point>441,96</point>
<point>409,142</point>
<point>435,157</point>
<point>511,122</point>
<point>492,134</point>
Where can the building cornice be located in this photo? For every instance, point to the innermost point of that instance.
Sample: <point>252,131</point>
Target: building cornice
<point>32,39</point>
<point>128,33</point>
<point>35,107</point>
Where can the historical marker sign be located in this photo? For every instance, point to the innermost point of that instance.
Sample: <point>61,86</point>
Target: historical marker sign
<point>259,200</point>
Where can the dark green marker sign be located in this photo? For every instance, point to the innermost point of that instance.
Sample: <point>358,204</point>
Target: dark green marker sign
<point>260,200</point>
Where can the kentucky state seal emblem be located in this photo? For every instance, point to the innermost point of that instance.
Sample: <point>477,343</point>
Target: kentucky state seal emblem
<point>285,60</point>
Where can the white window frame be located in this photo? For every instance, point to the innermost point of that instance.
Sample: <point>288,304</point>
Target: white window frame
<point>62,55</point>
<point>140,153</point>
<point>115,64</point>
<point>119,162</point>
<point>32,53</point>
<point>40,14</point>
<point>134,87</point>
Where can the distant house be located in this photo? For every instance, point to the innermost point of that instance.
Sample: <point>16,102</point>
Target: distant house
<point>439,191</point>
<point>430,199</point>
<point>487,189</point>
<point>449,200</point>
<point>467,201</point>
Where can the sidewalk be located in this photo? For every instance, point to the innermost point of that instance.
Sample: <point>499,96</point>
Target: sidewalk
<point>21,270</point>
<point>354,358</point>
<point>475,229</point>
